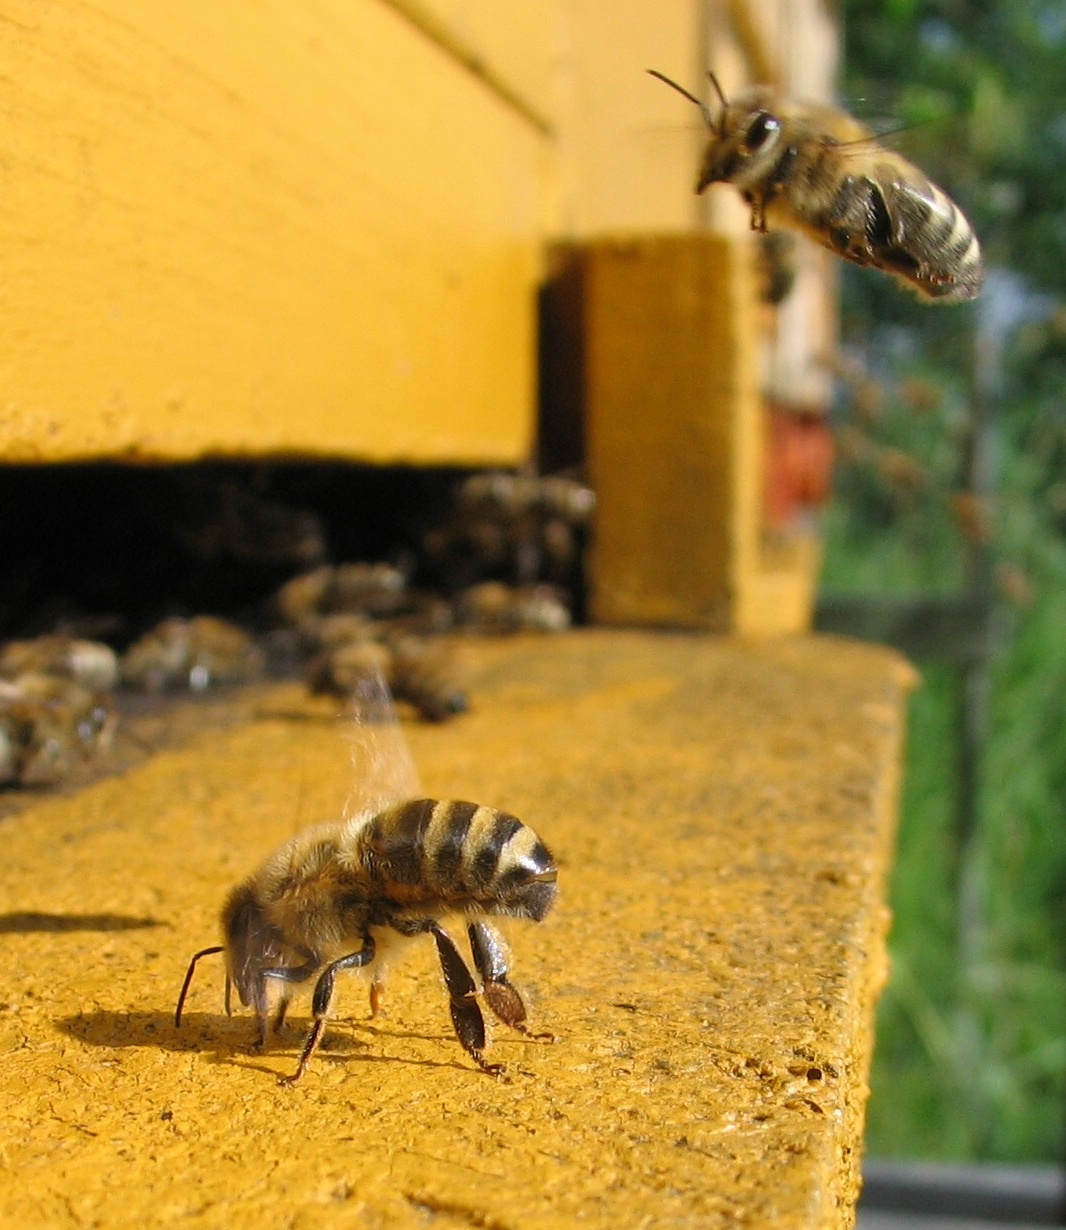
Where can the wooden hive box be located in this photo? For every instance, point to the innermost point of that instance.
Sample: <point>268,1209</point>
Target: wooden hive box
<point>254,230</point>
<point>258,232</point>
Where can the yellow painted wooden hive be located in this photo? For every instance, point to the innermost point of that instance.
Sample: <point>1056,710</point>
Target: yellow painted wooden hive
<point>251,231</point>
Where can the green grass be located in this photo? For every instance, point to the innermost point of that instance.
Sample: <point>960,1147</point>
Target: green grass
<point>971,1045</point>
<point>970,1056</point>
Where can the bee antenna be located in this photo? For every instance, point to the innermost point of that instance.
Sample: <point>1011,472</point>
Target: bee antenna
<point>718,90</point>
<point>707,114</point>
<point>204,952</point>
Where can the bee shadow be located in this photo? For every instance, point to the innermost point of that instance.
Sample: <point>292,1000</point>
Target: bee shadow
<point>27,921</point>
<point>232,1039</point>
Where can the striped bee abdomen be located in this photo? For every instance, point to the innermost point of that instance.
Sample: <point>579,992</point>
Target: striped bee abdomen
<point>929,240</point>
<point>460,854</point>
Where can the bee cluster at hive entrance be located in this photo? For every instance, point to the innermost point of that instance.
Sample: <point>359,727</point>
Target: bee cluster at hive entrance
<point>246,592</point>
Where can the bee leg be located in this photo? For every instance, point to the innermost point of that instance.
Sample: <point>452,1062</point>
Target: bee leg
<point>462,991</point>
<point>322,1000</point>
<point>284,973</point>
<point>758,211</point>
<point>279,1015</point>
<point>377,993</point>
<point>490,960</point>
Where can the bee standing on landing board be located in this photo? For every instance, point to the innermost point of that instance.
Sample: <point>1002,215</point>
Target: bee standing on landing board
<point>342,896</point>
<point>817,170</point>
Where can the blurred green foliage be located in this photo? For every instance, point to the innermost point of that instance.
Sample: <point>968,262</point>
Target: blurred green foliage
<point>971,1058</point>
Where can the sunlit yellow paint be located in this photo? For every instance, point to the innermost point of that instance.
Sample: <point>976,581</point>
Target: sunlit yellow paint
<point>722,816</point>
<point>260,228</point>
<point>515,48</point>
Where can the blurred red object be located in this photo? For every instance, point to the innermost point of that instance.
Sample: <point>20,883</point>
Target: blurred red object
<point>799,464</point>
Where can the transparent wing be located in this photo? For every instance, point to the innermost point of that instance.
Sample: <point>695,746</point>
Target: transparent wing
<point>384,769</point>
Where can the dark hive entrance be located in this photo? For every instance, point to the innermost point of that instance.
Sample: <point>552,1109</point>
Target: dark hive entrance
<point>132,592</point>
<point>108,549</point>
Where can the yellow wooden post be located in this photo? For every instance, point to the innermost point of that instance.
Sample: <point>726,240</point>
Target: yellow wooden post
<point>670,387</point>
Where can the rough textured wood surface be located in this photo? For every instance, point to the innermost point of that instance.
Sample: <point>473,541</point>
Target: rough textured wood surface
<point>722,814</point>
<point>260,228</point>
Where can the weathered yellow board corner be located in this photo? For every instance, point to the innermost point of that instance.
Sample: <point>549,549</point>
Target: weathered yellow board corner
<point>723,817</point>
<point>246,230</point>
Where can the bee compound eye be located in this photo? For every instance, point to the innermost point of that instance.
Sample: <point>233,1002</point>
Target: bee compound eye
<point>761,129</point>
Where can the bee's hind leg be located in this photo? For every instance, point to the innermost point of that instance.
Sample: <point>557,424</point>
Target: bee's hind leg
<point>490,958</point>
<point>462,992</point>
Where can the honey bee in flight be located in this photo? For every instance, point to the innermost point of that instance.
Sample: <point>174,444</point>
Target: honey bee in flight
<point>343,896</point>
<point>815,169</point>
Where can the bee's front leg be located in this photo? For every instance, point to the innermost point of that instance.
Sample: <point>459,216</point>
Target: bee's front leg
<point>757,201</point>
<point>279,1014</point>
<point>322,1001</point>
<point>377,994</point>
<point>490,959</point>
<point>284,974</point>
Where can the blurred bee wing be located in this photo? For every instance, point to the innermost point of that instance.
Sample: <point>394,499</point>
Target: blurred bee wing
<point>383,766</point>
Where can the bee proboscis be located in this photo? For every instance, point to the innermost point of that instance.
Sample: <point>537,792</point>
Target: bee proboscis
<point>815,169</point>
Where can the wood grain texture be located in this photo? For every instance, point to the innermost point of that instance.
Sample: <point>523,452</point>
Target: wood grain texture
<point>514,47</point>
<point>260,228</point>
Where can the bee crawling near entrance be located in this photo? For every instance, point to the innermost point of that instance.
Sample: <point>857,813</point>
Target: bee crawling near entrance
<point>815,169</point>
<point>342,896</point>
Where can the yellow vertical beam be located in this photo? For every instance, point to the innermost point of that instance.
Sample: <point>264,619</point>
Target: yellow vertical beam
<point>676,442</point>
<point>672,408</point>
